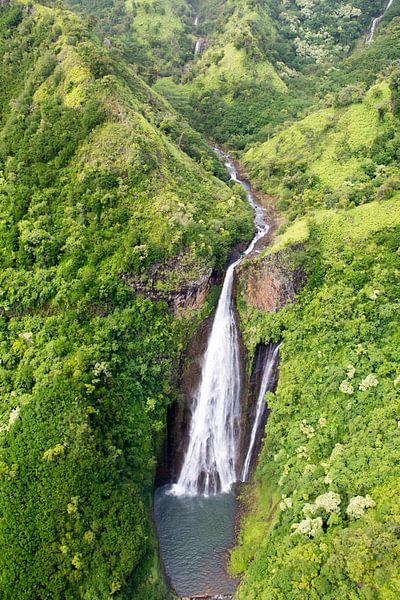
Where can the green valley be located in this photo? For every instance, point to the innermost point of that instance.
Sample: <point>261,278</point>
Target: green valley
<point>118,223</point>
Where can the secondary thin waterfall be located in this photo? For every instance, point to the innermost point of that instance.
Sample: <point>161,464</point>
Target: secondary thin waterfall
<point>198,46</point>
<point>267,382</point>
<point>210,463</point>
<point>200,41</point>
<point>375,24</point>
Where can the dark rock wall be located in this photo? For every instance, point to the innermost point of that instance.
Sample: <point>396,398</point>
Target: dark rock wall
<point>179,413</point>
<point>249,407</point>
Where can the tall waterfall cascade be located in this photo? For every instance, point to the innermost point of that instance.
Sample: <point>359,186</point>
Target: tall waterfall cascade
<point>375,24</point>
<point>210,463</point>
<point>267,382</point>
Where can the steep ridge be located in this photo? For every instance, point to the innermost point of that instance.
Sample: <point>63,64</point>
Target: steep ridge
<point>323,502</point>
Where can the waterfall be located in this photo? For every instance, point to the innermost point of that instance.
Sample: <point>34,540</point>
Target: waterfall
<point>199,43</point>
<point>198,47</point>
<point>375,24</point>
<point>267,382</point>
<point>210,462</point>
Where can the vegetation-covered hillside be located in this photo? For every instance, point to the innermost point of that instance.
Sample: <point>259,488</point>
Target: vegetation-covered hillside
<point>96,182</point>
<point>106,189</point>
<point>323,514</point>
<point>342,155</point>
<point>258,58</point>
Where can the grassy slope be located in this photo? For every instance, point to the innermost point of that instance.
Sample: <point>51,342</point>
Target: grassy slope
<point>92,184</point>
<point>343,153</point>
<point>333,142</point>
<point>164,31</point>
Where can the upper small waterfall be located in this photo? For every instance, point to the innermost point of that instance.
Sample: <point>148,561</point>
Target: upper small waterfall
<point>267,382</point>
<point>375,24</point>
<point>210,463</point>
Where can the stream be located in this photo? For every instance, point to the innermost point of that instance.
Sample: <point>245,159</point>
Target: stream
<point>195,516</point>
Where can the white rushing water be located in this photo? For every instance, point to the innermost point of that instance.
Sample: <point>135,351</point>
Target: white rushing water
<point>266,385</point>
<point>210,463</point>
<point>198,47</point>
<point>375,24</point>
<point>199,43</point>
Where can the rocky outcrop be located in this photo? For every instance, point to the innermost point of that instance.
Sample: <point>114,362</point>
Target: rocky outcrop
<point>180,282</point>
<point>273,281</point>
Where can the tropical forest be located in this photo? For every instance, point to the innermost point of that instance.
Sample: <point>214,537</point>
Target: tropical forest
<point>199,299</point>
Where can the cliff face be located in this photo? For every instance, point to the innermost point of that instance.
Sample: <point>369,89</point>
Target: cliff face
<point>179,413</point>
<point>181,281</point>
<point>184,295</point>
<point>250,397</point>
<point>272,282</point>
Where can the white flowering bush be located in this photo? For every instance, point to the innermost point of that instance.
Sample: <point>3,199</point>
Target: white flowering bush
<point>307,429</point>
<point>346,387</point>
<point>302,452</point>
<point>13,417</point>
<point>14,414</point>
<point>309,468</point>
<point>337,451</point>
<point>329,502</point>
<point>285,503</point>
<point>369,382</point>
<point>358,505</point>
<point>309,527</point>
<point>309,508</point>
<point>26,336</point>
<point>374,295</point>
<point>101,369</point>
